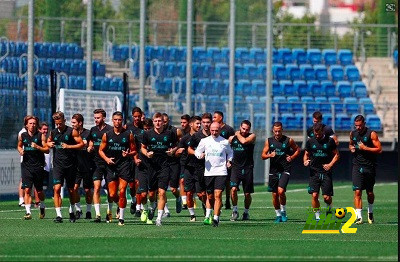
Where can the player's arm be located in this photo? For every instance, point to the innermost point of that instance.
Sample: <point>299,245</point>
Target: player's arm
<point>181,148</point>
<point>377,149</point>
<point>44,148</point>
<point>78,141</point>
<point>50,142</point>
<point>179,134</point>
<point>20,146</point>
<point>352,146</point>
<point>295,149</point>
<point>102,147</point>
<point>335,138</point>
<point>333,161</point>
<point>229,155</point>
<point>132,146</point>
<point>246,140</point>
<point>265,153</point>
<point>199,152</point>
<point>306,158</point>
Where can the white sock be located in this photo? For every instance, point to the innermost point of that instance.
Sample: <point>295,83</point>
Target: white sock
<point>208,212</point>
<point>78,207</point>
<point>159,214</point>
<point>71,208</point>
<point>28,208</point>
<point>370,208</point>
<point>109,208</point>
<point>184,200</point>
<point>142,207</point>
<point>58,211</point>
<point>137,206</point>
<point>216,217</point>
<point>246,210</point>
<point>121,213</point>
<point>41,204</point>
<point>97,209</point>
<point>358,212</point>
<point>278,212</point>
<point>166,210</point>
<point>191,211</point>
<point>283,208</point>
<point>88,207</point>
<point>235,209</point>
<point>317,213</point>
<point>21,200</point>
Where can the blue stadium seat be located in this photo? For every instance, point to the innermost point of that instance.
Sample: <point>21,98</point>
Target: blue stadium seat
<point>242,55</point>
<point>207,70</point>
<point>336,72</point>
<point>105,84</point>
<point>257,55</point>
<point>327,119</point>
<point>262,71</point>
<point>163,87</point>
<point>251,71</point>
<point>343,88</point>
<point>243,87</point>
<point>259,119</point>
<point>343,122</point>
<point>178,53</point>
<point>310,105</point>
<point>321,73</point>
<point>74,67</point>
<point>196,70</point>
<point>307,72</point>
<point>171,69</point>
<point>329,88</point>
<point>225,51</point>
<point>258,88</point>
<point>282,104</point>
<point>285,56</point>
<point>221,71</point>
<point>251,99</point>
<point>299,55</point>
<point>323,105</point>
<point>329,56</point>
<point>293,72</point>
<point>239,72</point>
<point>279,72</point>
<point>315,88</point>
<point>301,87</point>
<point>160,52</point>
<point>276,88</point>
<point>203,87</point>
<point>367,107</point>
<point>338,105</point>
<point>359,89</point>
<point>351,105</point>
<point>200,54</point>
<point>374,122</point>
<point>314,56</point>
<point>352,73</point>
<point>295,104</point>
<point>216,84</point>
<point>214,55</point>
<point>345,57</point>
<point>290,121</point>
<point>181,69</point>
<point>287,87</point>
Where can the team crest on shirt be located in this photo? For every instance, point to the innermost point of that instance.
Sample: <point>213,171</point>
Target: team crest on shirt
<point>325,146</point>
<point>153,139</point>
<point>110,140</point>
<point>123,140</point>
<point>35,140</point>
<point>25,141</point>
<point>66,137</point>
<point>284,145</point>
<point>94,135</point>
<point>354,138</point>
<point>272,145</point>
<point>235,142</point>
<point>314,146</point>
<point>165,138</point>
<point>365,139</point>
<point>223,133</point>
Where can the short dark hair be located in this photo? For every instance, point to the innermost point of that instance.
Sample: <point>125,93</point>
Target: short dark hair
<point>148,122</point>
<point>42,124</point>
<point>247,122</point>
<point>219,113</point>
<point>206,115</point>
<point>194,118</point>
<point>58,115</point>
<point>277,124</point>
<point>137,109</point>
<point>318,127</point>
<point>117,113</point>
<point>359,118</point>
<point>100,111</point>
<point>317,115</point>
<point>78,117</point>
<point>186,117</point>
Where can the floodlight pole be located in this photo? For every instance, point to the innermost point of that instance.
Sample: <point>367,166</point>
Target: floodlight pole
<point>268,84</point>
<point>141,53</point>
<point>231,62</point>
<point>30,58</point>
<point>89,45</point>
<point>189,57</point>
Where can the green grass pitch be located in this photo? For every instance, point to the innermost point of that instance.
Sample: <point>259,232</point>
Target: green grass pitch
<point>178,239</point>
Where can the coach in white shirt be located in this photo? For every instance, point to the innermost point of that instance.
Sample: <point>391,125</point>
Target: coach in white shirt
<point>218,156</point>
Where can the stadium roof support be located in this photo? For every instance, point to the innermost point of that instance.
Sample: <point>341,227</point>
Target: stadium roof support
<point>30,57</point>
<point>189,20</point>
<point>231,61</point>
<point>141,53</point>
<point>89,44</point>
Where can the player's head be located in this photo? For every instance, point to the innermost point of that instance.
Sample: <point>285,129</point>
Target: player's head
<point>59,119</point>
<point>318,131</point>
<point>77,121</point>
<point>277,129</point>
<point>165,118</point>
<point>137,116</point>
<point>245,127</point>
<point>214,129</point>
<point>359,123</point>
<point>147,124</point>
<point>117,119</point>
<point>44,128</point>
<point>206,120</point>
<point>195,123</point>
<point>185,119</point>
<point>218,117</point>
<point>317,117</point>
<point>31,123</point>
<point>99,116</point>
<point>158,120</point>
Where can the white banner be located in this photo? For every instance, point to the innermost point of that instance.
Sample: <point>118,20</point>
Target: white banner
<point>10,171</point>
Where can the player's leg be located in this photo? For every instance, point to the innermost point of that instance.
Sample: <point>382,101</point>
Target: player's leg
<point>283,182</point>
<point>77,200</point>
<point>58,181</point>
<point>358,186</point>
<point>26,186</point>
<point>20,194</point>
<point>122,200</point>
<point>369,187</point>
<point>174,184</point>
<point>87,187</point>
<point>228,190</point>
<point>313,189</point>
<point>162,199</point>
<point>112,197</point>
<point>327,191</point>
<point>73,194</point>
<point>132,193</point>
<point>138,196</point>
<point>248,189</point>
<point>38,180</point>
<point>182,191</point>
<point>273,182</point>
<point>219,186</point>
<point>209,181</point>
<point>164,178</point>
<point>98,175</point>
<point>37,200</point>
<point>234,185</point>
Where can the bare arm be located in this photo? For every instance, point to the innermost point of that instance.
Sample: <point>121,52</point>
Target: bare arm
<point>20,146</point>
<point>132,148</point>
<point>102,147</point>
<point>377,149</point>
<point>44,148</point>
<point>306,158</point>
<point>333,161</point>
<point>265,155</point>
<point>246,140</point>
<point>295,148</point>
<point>351,144</point>
<point>78,140</point>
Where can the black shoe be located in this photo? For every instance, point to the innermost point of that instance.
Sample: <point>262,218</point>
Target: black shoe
<point>371,218</point>
<point>72,217</point>
<point>58,220</point>
<point>97,219</point>
<point>42,213</point>
<point>227,205</point>
<point>138,213</point>
<point>133,208</point>
<point>245,216</point>
<point>184,206</point>
<point>192,218</point>
<point>117,214</point>
<point>151,214</point>
<point>215,223</point>
<point>121,222</point>
<point>78,214</point>
<point>88,215</point>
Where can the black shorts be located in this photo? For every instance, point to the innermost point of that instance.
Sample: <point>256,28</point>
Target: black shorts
<point>244,176</point>
<point>321,180</point>
<point>363,178</point>
<point>143,178</point>
<point>215,183</point>
<point>87,178</point>
<point>175,174</point>
<point>32,176</point>
<point>278,180</point>
<point>67,173</point>
<point>192,182</point>
<point>100,172</point>
<point>183,168</point>
<point>122,170</point>
<point>199,173</point>
<point>159,177</point>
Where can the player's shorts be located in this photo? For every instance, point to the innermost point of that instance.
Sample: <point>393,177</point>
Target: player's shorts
<point>244,176</point>
<point>320,180</point>
<point>46,178</point>
<point>175,169</point>
<point>32,176</point>
<point>215,183</point>
<point>199,173</point>
<point>143,178</point>
<point>122,170</point>
<point>159,177</point>
<point>100,172</point>
<point>87,178</point>
<point>67,173</point>
<point>191,180</point>
<point>278,180</point>
<point>363,178</point>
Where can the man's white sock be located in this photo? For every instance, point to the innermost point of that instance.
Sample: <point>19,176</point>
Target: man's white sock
<point>159,214</point>
<point>121,213</point>
<point>28,208</point>
<point>278,212</point>
<point>78,206</point>
<point>216,218</point>
<point>166,210</point>
<point>71,208</point>
<point>58,211</point>
<point>283,208</point>
<point>370,208</point>
<point>191,211</point>
<point>359,213</point>
<point>97,209</point>
<point>208,212</point>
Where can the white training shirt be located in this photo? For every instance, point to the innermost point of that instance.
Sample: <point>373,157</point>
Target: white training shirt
<point>217,152</point>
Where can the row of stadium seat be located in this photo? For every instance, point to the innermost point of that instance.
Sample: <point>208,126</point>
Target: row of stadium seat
<point>251,71</point>
<point>242,55</point>
<point>257,87</point>
<point>68,66</point>
<point>43,50</point>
